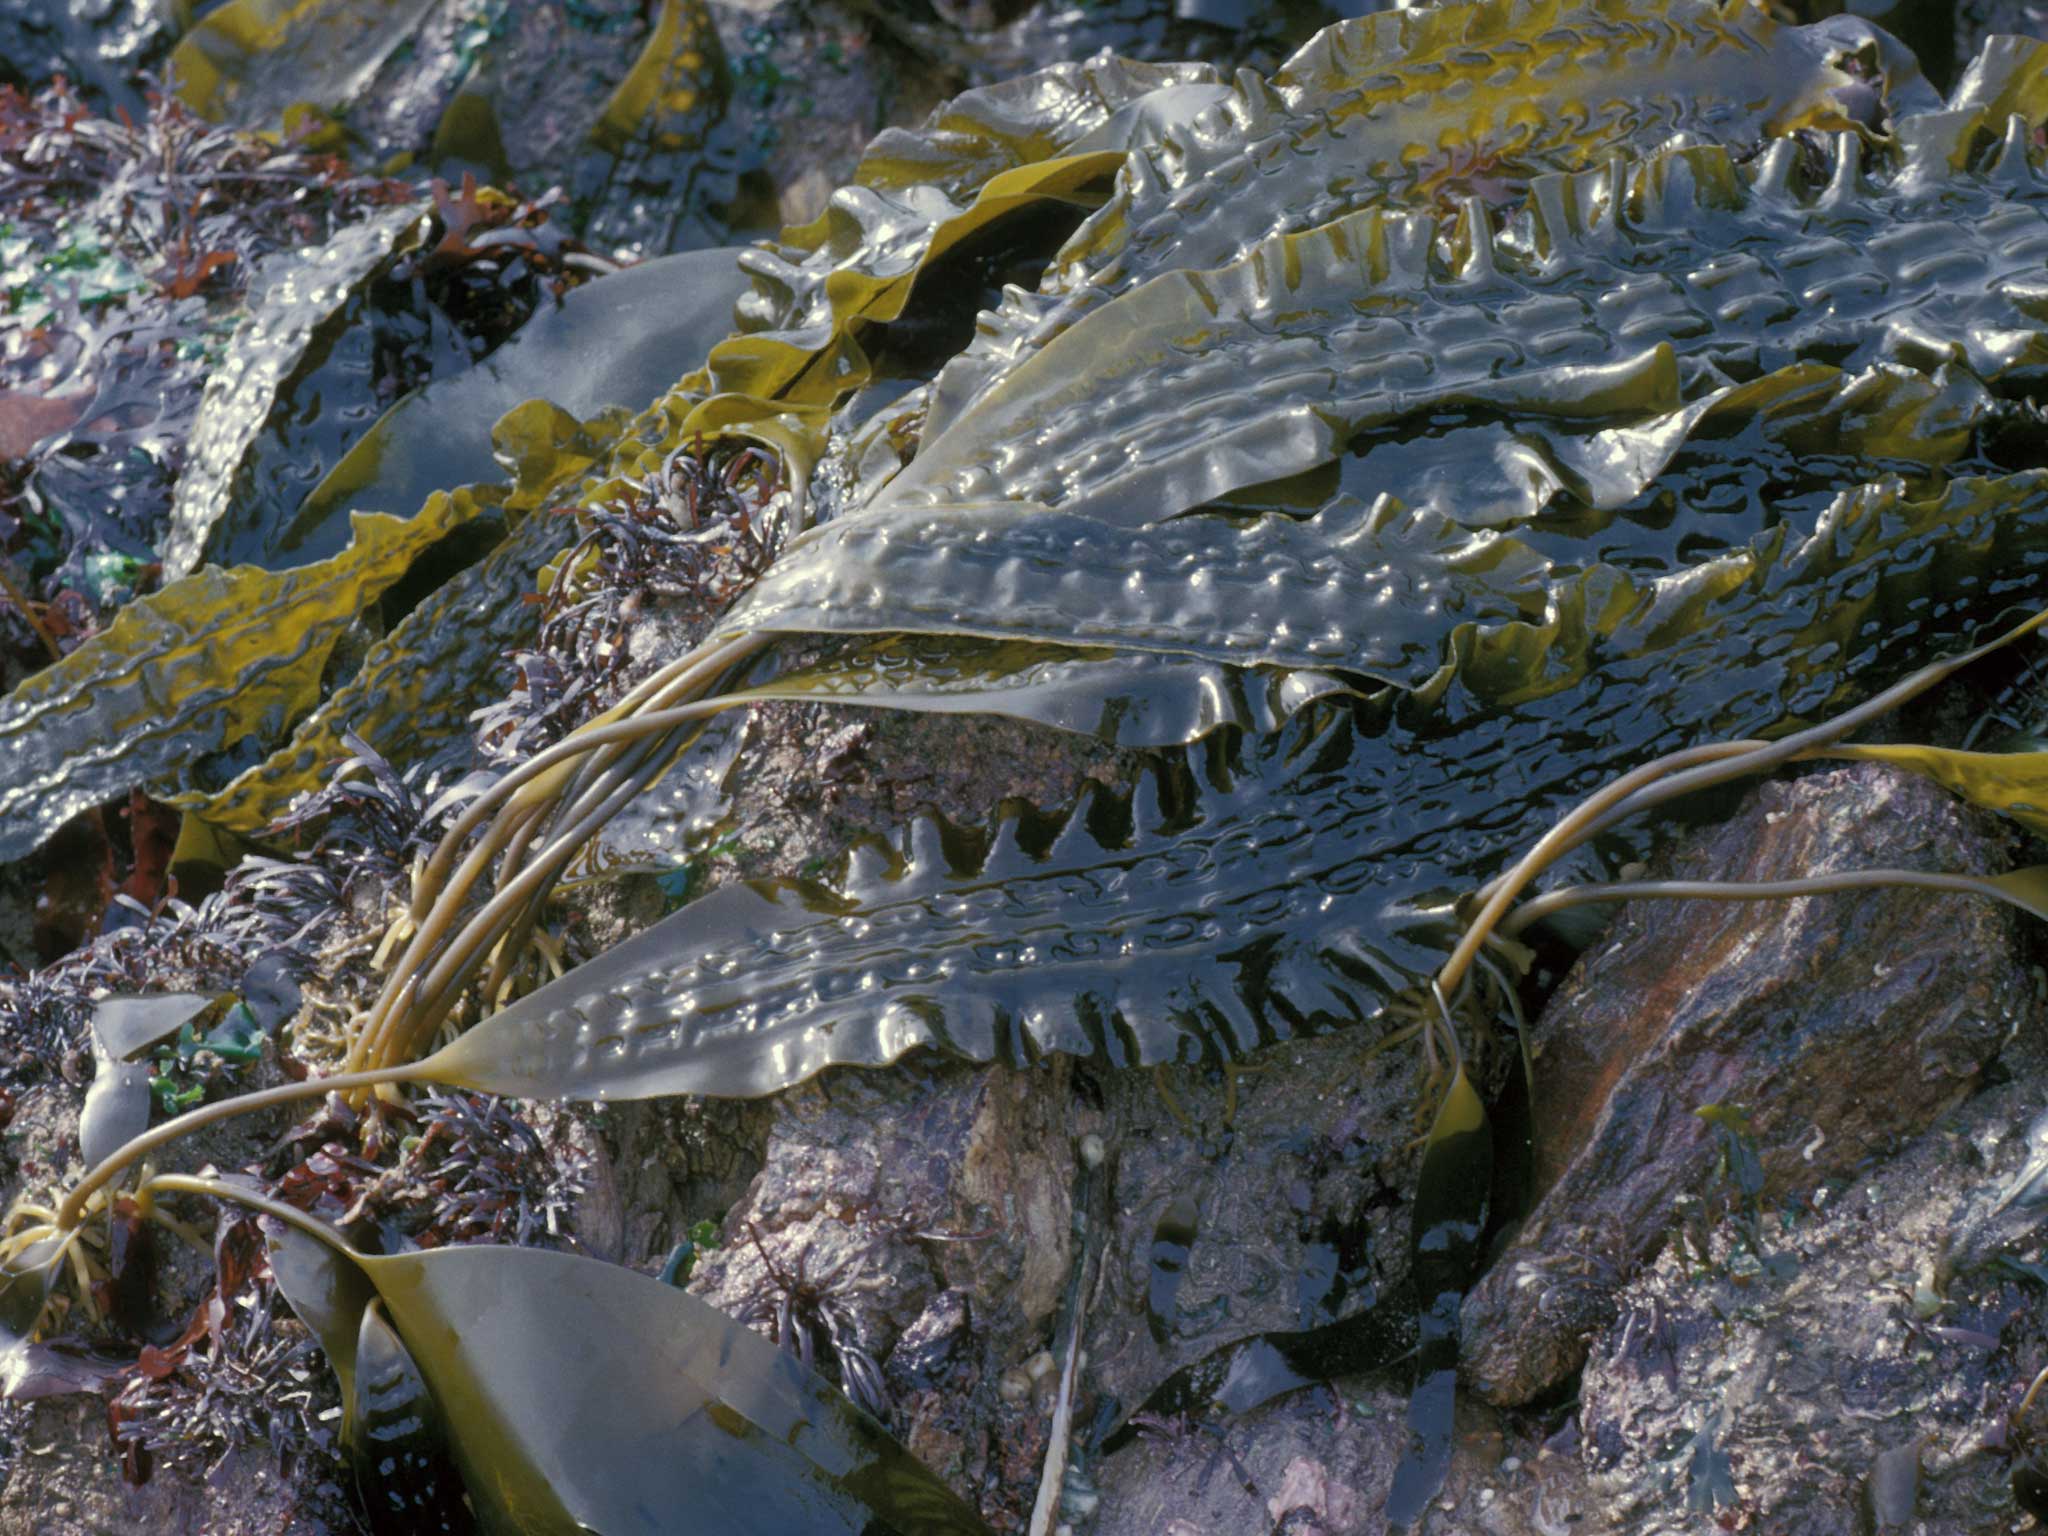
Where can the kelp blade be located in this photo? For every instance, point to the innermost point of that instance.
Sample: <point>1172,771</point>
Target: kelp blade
<point>212,665</point>
<point>624,338</point>
<point>2014,784</point>
<point>620,341</point>
<point>1291,884</point>
<point>1451,1197</point>
<point>1140,410</point>
<point>1404,107</point>
<point>584,1397</point>
<point>300,295</point>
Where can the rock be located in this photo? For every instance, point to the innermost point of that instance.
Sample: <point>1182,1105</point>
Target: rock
<point>1294,1182</point>
<point>1815,1369</point>
<point>1841,1024</point>
<point>1977,20</point>
<point>931,1204</point>
<point>66,1478</point>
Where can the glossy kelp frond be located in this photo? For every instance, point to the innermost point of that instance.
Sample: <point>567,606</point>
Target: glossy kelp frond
<point>211,667</point>
<point>1451,1199</point>
<point>1805,432</point>
<point>1378,589</point>
<point>873,250</point>
<point>1126,698</point>
<point>1223,589</point>
<point>672,1406</point>
<point>911,180</point>
<point>413,696</point>
<point>1372,589</point>
<point>2014,784</point>
<point>1610,290</point>
<point>2009,76</point>
<point>1288,884</point>
<point>1397,109</point>
<point>294,297</point>
<point>117,1103</point>
<point>621,341</point>
<point>1064,109</point>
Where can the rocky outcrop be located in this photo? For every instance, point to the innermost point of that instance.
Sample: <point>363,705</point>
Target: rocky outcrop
<point>1842,1025</point>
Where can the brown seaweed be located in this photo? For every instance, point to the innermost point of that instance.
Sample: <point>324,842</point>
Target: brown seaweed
<point>675,1406</point>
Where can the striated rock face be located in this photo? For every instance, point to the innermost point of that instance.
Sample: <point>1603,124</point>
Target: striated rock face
<point>1842,1025</point>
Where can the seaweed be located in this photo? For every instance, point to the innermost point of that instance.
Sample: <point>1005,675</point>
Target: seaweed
<point>1736,400</point>
<point>292,301</point>
<point>432,436</point>
<point>129,248</point>
<point>1410,106</point>
<point>651,170</point>
<point>679,1406</point>
<point>211,666</point>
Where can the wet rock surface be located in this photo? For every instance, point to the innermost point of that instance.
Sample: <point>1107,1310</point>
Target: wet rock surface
<point>1740,1390</point>
<point>923,1218</point>
<point>944,1209</point>
<point>1841,1025</point>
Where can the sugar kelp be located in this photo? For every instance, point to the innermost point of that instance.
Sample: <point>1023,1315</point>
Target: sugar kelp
<point>1408,107</point>
<point>296,299</point>
<point>457,1353</point>
<point>1299,882</point>
<point>228,662</point>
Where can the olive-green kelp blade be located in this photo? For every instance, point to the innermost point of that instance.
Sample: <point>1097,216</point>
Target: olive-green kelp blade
<point>619,341</point>
<point>1607,291</point>
<point>1377,589</point>
<point>404,1469</point>
<point>1803,433</point>
<point>910,183</point>
<point>1274,886</point>
<point>1403,107</point>
<point>210,667</point>
<point>1451,1201</point>
<point>412,697</point>
<point>297,296</point>
<point>117,1103</point>
<point>582,1396</point>
<point>329,1294</point>
<point>416,689</point>
<point>2012,783</point>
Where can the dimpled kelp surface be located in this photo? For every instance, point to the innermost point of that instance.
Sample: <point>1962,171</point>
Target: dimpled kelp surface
<point>1826,311</point>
